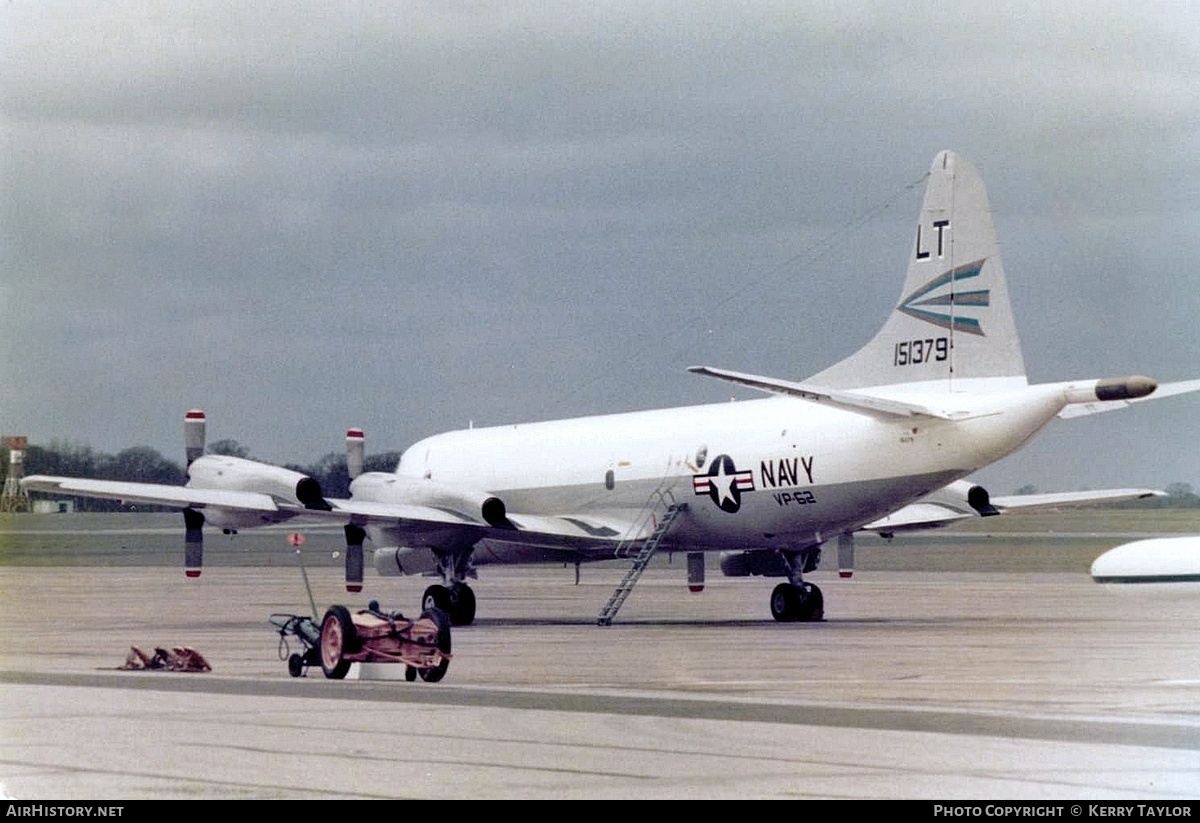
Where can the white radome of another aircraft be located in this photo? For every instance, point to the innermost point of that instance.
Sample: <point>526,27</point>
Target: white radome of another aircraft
<point>1157,563</point>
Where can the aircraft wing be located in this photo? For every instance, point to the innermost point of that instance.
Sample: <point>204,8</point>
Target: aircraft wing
<point>565,531</point>
<point>1063,500</point>
<point>153,493</point>
<point>398,515</point>
<point>612,526</point>
<point>940,509</point>
<point>1163,390</point>
<point>415,520</point>
<point>916,516</point>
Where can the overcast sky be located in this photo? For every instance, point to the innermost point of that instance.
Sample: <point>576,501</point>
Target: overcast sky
<point>412,216</point>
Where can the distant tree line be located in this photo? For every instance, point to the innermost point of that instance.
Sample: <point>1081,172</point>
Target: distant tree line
<point>142,464</point>
<point>1179,496</point>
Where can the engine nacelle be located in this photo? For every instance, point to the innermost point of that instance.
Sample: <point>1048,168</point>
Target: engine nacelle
<point>219,471</point>
<point>960,496</point>
<point>757,564</point>
<point>384,487</point>
<point>979,500</point>
<point>397,562</point>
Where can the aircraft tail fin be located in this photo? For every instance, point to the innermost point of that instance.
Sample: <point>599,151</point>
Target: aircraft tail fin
<point>953,321</point>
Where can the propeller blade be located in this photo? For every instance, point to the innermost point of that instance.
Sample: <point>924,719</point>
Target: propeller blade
<point>354,557</point>
<point>846,554</point>
<point>193,542</point>
<point>695,563</point>
<point>355,450</point>
<point>193,434</point>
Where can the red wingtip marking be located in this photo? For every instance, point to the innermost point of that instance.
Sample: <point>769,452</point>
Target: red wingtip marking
<point>695,588</point>
<point>845,574</point>
<point>353,587</point>
<point>194,414</point>
<point>355,433</point>
<point>192,572</point>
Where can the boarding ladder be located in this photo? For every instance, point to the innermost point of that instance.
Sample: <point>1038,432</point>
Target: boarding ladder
<point>662,501</point>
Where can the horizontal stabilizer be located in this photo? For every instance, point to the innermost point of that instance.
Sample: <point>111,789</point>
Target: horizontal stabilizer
<point>857,401</point>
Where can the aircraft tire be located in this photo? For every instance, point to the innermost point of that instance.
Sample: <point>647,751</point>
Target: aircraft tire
<point>442,620</point>
<point>436,596</point>
<point>337,638</point>
<point>462,605</point>
<point>812,605</point>
<point>785,603</point>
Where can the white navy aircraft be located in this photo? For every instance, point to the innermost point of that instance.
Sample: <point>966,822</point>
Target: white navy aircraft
<point>879,442</point>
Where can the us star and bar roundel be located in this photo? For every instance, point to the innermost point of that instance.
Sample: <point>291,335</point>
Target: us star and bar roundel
<point>724,484</point>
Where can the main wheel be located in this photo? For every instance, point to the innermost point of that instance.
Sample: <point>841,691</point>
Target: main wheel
<point>442,620</point>
<point>812,604</point>
<point>785,603</point>
<point>462,605</point>
<point>338,638</point>
<point>436,596</point>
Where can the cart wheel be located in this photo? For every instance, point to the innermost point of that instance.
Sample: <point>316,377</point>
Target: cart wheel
<point>442,620</point>
<point>296,665</point>
<point>410,673</point>
<point>337,638</point>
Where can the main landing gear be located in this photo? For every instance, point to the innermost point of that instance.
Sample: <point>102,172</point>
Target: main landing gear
<point>797,603</point>
<point>796,600</point>
<point>456,600</point>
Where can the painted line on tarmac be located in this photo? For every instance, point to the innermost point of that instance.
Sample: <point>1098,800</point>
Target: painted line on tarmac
<point>1166,734</point>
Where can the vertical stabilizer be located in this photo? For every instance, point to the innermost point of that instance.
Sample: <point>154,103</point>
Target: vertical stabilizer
<point>953,321</point>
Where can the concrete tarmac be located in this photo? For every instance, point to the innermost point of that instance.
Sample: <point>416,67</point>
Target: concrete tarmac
<point>919,684</point>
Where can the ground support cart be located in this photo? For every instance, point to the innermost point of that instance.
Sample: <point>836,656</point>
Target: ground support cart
<point>367,636</point>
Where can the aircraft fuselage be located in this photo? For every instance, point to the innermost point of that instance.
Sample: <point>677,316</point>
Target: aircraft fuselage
<point>774,472</point>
